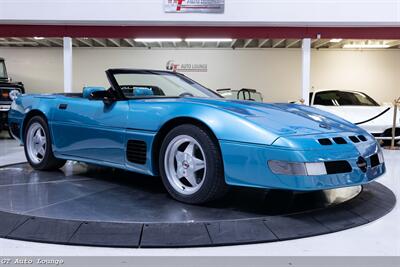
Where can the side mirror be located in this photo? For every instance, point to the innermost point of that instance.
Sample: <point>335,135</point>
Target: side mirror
<point>106,96</point>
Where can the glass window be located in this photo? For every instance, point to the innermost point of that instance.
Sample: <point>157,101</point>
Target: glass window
<point>342,98</point>
<point>158,84</point>
<point>249,95</point>
<point>3,72</point>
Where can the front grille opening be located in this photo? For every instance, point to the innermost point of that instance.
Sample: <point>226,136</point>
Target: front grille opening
<point>374,160</point>
<point>339,140</point>
<point>325,141</point>
<point>335,167</point>
<point>354,139</point>
<point>362,138</point>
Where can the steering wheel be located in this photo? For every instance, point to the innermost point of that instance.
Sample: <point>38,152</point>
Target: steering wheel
<point>185,94</point>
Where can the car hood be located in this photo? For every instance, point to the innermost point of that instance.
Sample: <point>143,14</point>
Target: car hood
<point>358,114</point>
<point>281,119</point>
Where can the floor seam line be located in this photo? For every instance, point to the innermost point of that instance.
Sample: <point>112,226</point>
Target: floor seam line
<point>208,233</point>
<point>18,226</point>
<point>141,236</point>
<point>266,225</point>
<point>76,230</point>
<point>49,182</point>
<point>64,201</point>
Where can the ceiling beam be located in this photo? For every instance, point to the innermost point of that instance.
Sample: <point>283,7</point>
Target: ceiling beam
<point>338,44</point>
<point>262,42</point>
<point>42,42</point>
<point>17,39</point>
<point>322,43</point>
<point>292,43</point>
<point>99,42</point>
<point>233,43</point>
<point>276,43</point>
<point>56,41</point>
<point>19,43</point>
<point>129,42</point>
<point>85,41</point>
<point>115,42</point>
<point>247,42</point>
<point>394,44</point>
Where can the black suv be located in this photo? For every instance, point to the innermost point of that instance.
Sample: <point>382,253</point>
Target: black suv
<point>8,92</point>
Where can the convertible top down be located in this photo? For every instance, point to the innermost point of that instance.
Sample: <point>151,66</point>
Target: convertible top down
<point>163,123</point>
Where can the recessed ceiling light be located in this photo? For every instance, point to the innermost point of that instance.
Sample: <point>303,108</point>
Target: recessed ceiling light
<point>154,40</point>
<point>366,46</point>
<point>205,40</point>
<point>336,40</point>
<point>38,38</point>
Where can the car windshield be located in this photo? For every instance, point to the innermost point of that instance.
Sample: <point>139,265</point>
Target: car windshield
<point>243,95</point>
<point>341,98</point>
<point>3,72</point>
<point>160,84</point>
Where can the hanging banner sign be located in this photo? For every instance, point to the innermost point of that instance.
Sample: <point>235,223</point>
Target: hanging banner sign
<point>194,6</point>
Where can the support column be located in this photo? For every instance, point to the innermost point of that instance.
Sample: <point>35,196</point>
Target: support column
<point>67,46</point>
<point>305,70</point>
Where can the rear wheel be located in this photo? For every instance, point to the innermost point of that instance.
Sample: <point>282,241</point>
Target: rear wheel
<point>191,165</point>
<point>38,149</point>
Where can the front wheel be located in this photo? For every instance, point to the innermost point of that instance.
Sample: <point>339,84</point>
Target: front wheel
<point>191,165</point>
<point>38,149</point>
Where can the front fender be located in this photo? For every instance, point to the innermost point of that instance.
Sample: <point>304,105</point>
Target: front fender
<point>24,106</point>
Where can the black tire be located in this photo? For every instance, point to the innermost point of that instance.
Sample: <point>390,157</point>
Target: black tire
<point>214,185</point>
<point>9,134</point>
<point>48,162</point>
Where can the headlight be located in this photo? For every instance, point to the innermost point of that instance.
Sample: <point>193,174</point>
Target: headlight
<point>13,94</point>
<point>297,168</point>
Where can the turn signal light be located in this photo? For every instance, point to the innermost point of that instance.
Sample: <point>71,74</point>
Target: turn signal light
<point>297,168</point>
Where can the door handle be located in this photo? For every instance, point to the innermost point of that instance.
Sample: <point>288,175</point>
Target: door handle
<point>62,106</point>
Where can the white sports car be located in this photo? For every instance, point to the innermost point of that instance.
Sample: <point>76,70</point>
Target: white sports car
<point>360,109</point>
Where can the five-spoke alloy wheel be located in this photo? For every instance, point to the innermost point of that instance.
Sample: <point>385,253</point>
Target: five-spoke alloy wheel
<point>36,143</point>
<point>191,165</point>
<point>38,149</point>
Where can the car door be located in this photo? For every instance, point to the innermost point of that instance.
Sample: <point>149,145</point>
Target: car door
<point>90,129</point>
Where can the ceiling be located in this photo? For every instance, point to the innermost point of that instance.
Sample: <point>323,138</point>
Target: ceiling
<point>235,43</point>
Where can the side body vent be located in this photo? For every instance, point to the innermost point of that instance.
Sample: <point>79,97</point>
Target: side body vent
<point>136,151</point>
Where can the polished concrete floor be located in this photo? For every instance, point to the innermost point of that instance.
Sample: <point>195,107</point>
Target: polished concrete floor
<point>380,238</point>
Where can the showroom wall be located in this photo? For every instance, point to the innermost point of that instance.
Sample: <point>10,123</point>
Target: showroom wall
<point>275,72</point>
<point>375,72</point>
<point>250,12</point>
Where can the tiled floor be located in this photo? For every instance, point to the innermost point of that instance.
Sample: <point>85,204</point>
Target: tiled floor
<point>381,237</point>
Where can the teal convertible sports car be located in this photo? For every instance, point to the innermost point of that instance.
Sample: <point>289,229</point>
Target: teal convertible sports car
<point>163,123</point>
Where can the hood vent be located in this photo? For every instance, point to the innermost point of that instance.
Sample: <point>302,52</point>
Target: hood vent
<point>341,141</point>
<point>136,151</point>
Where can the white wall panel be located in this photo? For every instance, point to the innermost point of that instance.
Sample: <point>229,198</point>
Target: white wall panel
<point>374,72</point>
<point>276,72</point>
<point>273,71</point>
<point>237,12</point>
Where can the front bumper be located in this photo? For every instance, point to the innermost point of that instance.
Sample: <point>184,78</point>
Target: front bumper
<point>246,165</point>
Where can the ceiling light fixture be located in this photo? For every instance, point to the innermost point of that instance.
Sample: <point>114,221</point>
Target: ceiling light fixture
<point>207,40</point>
<point>38,38</point>
<point>155,40</point>
<point>366,46</point>
<point>336,40</point>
